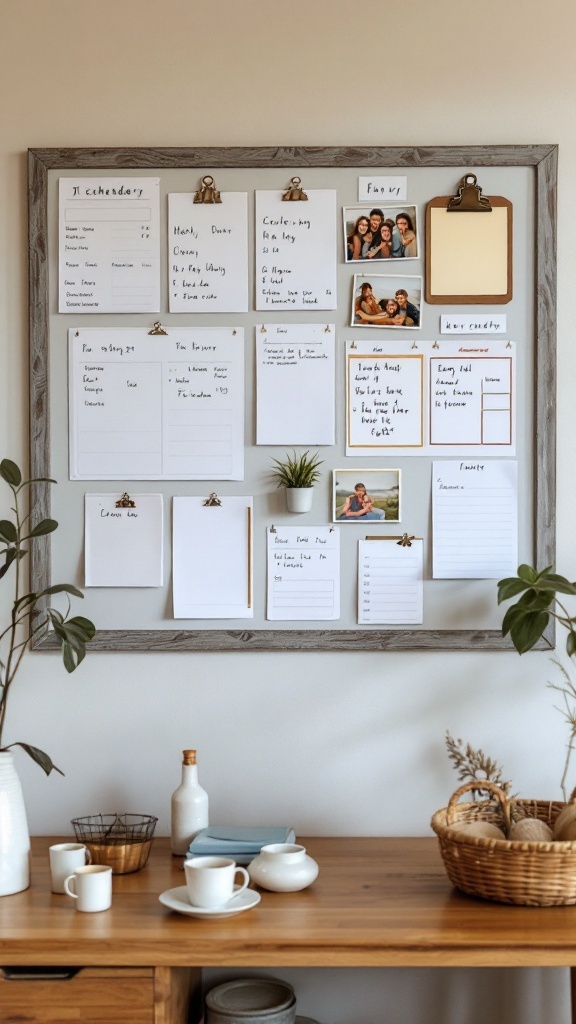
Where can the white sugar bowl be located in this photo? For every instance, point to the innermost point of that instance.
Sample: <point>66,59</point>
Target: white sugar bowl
<point>283,867</point>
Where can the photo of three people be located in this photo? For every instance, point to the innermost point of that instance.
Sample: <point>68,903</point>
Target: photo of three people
<point>382,300</point>
<point>380,233</point>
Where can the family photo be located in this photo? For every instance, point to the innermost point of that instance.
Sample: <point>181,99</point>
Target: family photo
<point>366,494</point>
<point>380,233</point>
<point>379,300</point>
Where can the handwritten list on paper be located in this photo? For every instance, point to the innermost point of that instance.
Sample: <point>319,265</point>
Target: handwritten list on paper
<point>152,408</point>
<point>295,367</point>
<point>475,519</point>
<point>472,398</point>
<point>303,573</point>
<point>123,547</point>
<point>109,245</point>
<point>296,251</point>
<point>208,254</point>
<point>390,582</point>
<point>384,399</point>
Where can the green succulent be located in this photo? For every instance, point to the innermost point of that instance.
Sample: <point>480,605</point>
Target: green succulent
<point>297,470</point>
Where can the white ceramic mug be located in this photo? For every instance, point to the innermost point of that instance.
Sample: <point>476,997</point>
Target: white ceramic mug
<point>210,880</point>
<point>64,859</point>
<point>91,887</point>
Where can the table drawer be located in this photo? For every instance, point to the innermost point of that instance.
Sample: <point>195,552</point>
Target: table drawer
<point>100,995</point>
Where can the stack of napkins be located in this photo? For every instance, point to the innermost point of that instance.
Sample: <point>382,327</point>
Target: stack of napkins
<point>240,843</point>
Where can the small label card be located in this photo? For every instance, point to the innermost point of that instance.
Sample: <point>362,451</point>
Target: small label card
<point>382,187</point>
<point>465,323</point>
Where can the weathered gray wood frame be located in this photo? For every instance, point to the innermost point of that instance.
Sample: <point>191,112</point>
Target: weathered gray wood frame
<point>543,158</point>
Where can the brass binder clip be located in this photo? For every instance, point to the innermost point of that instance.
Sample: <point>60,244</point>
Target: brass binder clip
<point>405,541</point>
<point>208,193</point>
<point>273,529</point>
<point>157,329</point>
<point>327,329</point>
<point>436,345</point>
<point>353,344</point>
<point>294,192</point>
<point>263,330</point>
<point>125,501</point>
<point>469,198</point>
<point>212,499</point>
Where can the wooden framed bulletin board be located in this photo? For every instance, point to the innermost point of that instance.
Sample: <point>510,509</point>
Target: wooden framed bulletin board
<point>459,614</point>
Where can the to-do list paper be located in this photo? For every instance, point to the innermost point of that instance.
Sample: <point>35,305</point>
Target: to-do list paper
<point>123,546</point>
<point>296,251</point>
<point>475,519</point>
<point>295,384</point>
<point>303,572</point>
<point>208,254</point>
<point>390,582</point>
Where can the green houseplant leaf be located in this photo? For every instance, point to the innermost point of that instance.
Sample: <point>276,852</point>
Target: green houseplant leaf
<point>29,615</point>
<point>297,470</point>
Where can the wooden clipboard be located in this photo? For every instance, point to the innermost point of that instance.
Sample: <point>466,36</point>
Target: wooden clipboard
<point>469,248</point>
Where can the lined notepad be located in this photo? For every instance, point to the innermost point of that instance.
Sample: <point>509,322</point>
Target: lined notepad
<point>475,519</point>
<point>390,582</point>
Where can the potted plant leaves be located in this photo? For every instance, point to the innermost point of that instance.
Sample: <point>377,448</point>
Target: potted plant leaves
<point>298,474</point>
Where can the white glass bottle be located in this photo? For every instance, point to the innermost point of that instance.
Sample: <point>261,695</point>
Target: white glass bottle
<point>189,806</point>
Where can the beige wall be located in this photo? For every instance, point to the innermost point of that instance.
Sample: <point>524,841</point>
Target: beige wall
<point>330,742</point>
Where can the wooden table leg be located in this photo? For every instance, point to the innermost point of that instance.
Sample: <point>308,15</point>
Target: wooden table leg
<point>573,995</point>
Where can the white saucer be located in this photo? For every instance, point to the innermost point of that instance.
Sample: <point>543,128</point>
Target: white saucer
<point>177,899</point>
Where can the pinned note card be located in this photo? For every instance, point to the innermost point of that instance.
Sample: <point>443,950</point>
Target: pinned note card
<point>475,519</point>
<point>296,251</point>
<point>212,557</point>
<point>149,408</point>
<point>384,395</point>
<point>303,573</point>
<point>390,581</point>
<point>124,540</point>
<point>208,254</point>
<point>295,369</point>
<point>109,245</point>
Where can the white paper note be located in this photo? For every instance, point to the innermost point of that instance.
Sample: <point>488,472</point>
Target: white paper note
<point>472,398</point>
<point>296,251</point>
<point>295,384</point>
<point>212,558</point>
<point>475,519</point>
<point>466,323</point>
<point>390,582</point>
<point>208,254</point>
<point>149,408</point>
<point>384,398</point>
<point>109,245</point>
<point>123,547</point>
<point>382,187</point>
<point>303,573</point>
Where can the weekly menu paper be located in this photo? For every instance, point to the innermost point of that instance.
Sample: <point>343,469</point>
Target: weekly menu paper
<point>208,254</point>
<point>435,398</point>
<point>303,573</point>
<point>123,547</point>
<point>296,251</point>
<point>212,558</point>
<point>390,582</point>
<point>109,245</point>
<point>295,370</point>
<point>475,519</point>
<point>144,407</point>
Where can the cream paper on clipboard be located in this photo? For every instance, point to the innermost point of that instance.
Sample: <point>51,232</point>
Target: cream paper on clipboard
<point>212,558</point>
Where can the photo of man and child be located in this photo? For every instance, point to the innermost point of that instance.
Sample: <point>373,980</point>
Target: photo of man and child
<point>386,301</point>
<point>383,233</point>
<point>377,497</point>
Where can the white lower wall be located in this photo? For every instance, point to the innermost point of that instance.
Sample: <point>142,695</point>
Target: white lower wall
<point>333,743</point>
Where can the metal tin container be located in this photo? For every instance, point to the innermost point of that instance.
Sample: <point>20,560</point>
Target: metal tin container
<point>251,1001</point>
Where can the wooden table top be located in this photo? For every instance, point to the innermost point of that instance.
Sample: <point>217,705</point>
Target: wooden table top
<point>376,902</point>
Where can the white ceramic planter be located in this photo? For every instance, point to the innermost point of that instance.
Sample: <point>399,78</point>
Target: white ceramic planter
<point>14,835</point>
<point>299,499</point>
<point>283,867</point>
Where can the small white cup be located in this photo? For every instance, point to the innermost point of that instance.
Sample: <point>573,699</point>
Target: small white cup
<point>64,859</point>
<point>91,887</point>
<point>210,880</point>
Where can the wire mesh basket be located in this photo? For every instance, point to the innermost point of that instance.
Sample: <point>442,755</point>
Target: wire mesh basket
<point>122,841</point>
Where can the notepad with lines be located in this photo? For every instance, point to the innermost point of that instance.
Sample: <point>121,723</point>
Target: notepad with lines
<point>475,519</point>
<point>390,581</point>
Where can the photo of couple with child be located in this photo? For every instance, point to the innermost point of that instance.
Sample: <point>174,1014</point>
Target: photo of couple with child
<point>380,235</point>
<point>386,301</point>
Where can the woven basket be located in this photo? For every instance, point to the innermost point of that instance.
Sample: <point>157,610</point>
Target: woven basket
<point>538,874</point>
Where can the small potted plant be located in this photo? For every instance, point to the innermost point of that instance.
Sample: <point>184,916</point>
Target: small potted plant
<point>298,474</point>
